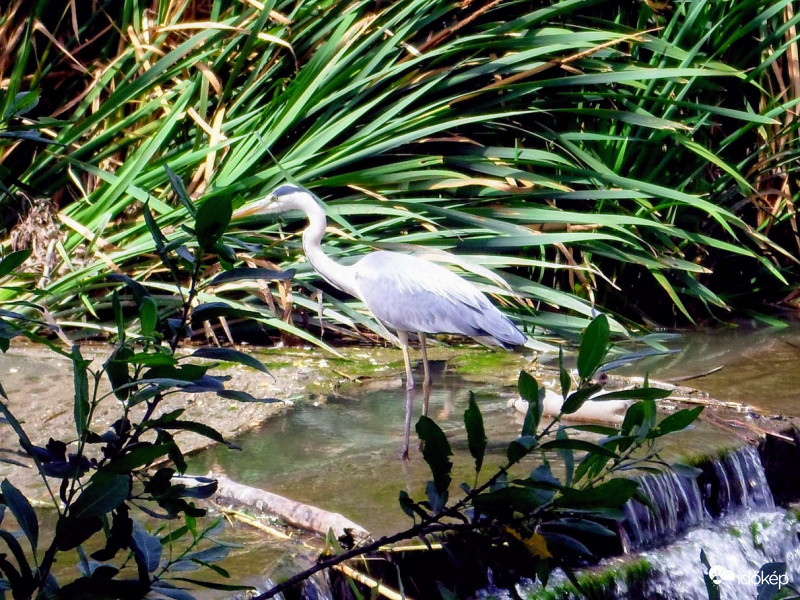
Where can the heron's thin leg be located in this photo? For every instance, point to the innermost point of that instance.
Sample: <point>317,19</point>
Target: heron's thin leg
<point>407,430</point>
<point>403,336</point>
<point>426,383</point>
<point>425,365</point>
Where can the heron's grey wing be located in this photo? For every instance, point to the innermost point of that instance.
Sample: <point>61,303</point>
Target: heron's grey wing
<point>411,294</point>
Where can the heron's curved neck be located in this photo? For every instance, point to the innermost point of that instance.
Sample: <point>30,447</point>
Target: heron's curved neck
<point>341,276</point>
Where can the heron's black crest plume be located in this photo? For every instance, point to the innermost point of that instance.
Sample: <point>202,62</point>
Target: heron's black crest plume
<point>287,188</point>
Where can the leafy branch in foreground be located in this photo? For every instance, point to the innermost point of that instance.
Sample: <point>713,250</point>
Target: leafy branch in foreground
<point>103,484</point>
<point>527,517</point>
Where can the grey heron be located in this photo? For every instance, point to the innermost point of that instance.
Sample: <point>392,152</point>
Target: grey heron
<point>405,293</point>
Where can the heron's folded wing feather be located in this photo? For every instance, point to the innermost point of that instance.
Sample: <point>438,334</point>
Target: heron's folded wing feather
<point>412,294</point>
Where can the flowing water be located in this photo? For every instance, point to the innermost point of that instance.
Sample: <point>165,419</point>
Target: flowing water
<point>342,454</point>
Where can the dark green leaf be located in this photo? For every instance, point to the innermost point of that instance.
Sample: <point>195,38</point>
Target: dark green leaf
<point>563,374</point>
<point>770,575</point>
<point>246,273</point>
<point>567,457</point>
<point>565,546</point>
<point>72,532</point>
<point>12,260</point>
<point>23,512</point>
<point>225,587</point>
<point>528,388</point>
<point>576,399</point>
<point>712,589</point>
<point>170,591</point>
<point>137,289</point>
<point>241,396</point>
<point>520,448</point>
<point>152,359</point>
<point>155,231</point>
<point>530,392</point>
<point>21,104</point>
<point>209,555</point>
<point>476,434</point>
<point>611,494</point>
<point>505,501</point>
<point>103,587</point>
<point>649,417</point>
<point>194,427</point>
<point>180,191</point>
<point>117,371</point>
<point>578,528</point>
<point>138,457</point>
<point>634,394</point>
<point>573,444</point>
<point>594,345</point>
<point>81,385</point>
<point>184,373</point>
<point>148,315</point>
<point>174,535</point>
<point>409,506</point>
<point>29,135</point>
<point>146,548</point>
<point>436,452</point>
<point>592,464</point>
<point>678,421</point>
<point>194,486</point>
<point>212,220</point>
<point>104,493</point>
<point>213,310</point>
<point>14,546</point>
<point>231,355</point>
<point>118,317</point>
<point>633,418</point>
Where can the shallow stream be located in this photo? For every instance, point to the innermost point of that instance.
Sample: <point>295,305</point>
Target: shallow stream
<point>341,452</point>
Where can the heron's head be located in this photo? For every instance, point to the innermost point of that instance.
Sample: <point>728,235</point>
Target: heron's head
<point>282,199</point>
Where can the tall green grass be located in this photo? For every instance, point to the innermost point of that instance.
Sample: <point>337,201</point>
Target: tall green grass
<point>589,154</point>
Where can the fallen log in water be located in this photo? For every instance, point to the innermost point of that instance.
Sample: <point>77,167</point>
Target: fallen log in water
<point>297,514</point>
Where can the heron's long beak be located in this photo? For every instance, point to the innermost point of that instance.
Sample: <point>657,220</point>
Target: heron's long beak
<point>248,210</point>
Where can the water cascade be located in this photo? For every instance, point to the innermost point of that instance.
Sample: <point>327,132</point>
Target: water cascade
<point>727,512</point>
<point>736,481</point>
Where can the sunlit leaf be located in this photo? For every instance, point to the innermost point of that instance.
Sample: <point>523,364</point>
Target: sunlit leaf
<point>13,260</point>
<point>594,345</point>
<point>80,378</point>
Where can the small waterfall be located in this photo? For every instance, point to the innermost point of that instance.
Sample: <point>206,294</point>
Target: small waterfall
<point>728,512</point>
<point>738,545</point>
<point>736,481</point>
<point>678,506</point>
